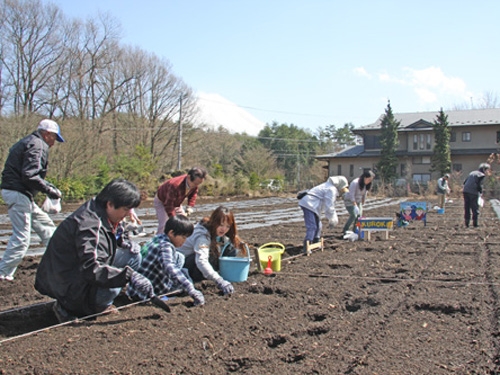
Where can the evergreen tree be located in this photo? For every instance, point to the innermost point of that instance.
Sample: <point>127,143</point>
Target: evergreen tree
<point>293,148</point>
<point>387,166</point>
<point>441,157</point>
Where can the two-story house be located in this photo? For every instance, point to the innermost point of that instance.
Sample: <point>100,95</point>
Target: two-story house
<point>475,134</point>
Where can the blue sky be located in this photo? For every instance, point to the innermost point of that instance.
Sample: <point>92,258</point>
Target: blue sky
<point>315,63</point>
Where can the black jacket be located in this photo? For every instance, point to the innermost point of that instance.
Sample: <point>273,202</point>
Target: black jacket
<point>26,166</point>
<point>473,184</point>
<point>78,260</point>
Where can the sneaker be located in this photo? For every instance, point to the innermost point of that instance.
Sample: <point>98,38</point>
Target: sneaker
<point>62,315</point>
<point>6,278</point>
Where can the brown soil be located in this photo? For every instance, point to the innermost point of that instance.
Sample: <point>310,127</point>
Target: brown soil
<point>425,301</point>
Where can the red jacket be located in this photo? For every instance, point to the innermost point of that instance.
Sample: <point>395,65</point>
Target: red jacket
<point>173,192</point>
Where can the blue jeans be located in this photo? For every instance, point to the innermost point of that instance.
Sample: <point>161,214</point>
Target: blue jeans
<point>25,216</point>
<point>106,296</point>
<point>313,226</point>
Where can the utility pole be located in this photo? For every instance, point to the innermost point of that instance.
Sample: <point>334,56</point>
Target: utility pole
<point>179,155</point>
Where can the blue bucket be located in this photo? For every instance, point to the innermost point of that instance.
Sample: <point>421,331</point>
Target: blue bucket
<point>440,211</point>
<point>234,269</point>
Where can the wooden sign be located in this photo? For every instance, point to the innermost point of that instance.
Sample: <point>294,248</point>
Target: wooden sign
<point>372,224</point>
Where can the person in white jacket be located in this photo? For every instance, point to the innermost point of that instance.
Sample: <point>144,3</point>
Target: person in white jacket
<point>321,199</point>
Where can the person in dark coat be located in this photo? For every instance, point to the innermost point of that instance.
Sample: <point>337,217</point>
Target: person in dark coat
<point>22,178</point>
<point>472,190</point>
<point>79,267</point>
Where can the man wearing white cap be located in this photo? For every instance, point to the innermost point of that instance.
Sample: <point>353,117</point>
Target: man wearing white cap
<point>23,176</point>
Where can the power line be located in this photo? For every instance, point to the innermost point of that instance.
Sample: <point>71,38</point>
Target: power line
<point>265,110</point>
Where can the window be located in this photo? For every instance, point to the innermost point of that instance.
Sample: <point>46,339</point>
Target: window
<point>421,160</point>
<point>457,167</point>
<point>339,169</point>
<point>372,141</point>
<point>422,142</point>
<point>351,170</point>
<point>403,169</point>
<point>466,137</point>
<point>422,178</point>
<point>498,137</point>
<point>453,136</point>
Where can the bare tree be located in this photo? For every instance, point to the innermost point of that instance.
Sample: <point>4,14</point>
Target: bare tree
<point>31,42</point>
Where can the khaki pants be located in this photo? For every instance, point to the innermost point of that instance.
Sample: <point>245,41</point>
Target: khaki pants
<point>441,200</point>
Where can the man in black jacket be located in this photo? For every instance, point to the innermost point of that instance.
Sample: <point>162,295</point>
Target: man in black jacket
<point>473,189</point>
<point>23,176</point>
<point>80,267</point>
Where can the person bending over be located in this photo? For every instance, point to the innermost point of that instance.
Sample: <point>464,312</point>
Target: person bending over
<point>202,249</point>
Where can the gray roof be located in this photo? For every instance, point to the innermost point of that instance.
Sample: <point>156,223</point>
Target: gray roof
<point>488,116</point>
<point>348,152</point>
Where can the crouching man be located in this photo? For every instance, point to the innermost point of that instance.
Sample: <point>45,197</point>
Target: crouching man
<point>80,267</point>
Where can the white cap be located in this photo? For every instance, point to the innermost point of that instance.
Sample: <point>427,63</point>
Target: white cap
<point>51,126</point>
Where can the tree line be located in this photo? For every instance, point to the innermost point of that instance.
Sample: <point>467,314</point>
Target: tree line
<point>123,112</point>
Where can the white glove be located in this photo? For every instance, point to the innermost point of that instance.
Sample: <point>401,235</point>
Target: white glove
<point>333,222</point>
<point>198,297</point>
<point>356,211</point>
<point>189,211</point>
<point>225,286</point>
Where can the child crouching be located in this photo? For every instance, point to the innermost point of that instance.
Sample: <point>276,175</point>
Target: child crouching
<point>162,264</point>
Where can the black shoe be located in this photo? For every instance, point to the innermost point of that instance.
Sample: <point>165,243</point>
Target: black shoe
<point>61,314</point>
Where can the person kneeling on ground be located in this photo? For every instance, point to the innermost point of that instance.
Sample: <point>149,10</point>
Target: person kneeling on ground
<point>81,268</point>
<point>202,249</point>
<point>318,199</point>
<point>162,264</point>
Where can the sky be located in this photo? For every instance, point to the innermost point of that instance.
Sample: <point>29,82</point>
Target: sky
<point>315,63</point>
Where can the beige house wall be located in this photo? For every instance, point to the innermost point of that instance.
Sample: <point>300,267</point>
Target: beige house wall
<point>481,138</point>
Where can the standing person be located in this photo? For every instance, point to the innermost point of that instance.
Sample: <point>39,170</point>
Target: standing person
<point>443,189</point>
<point>202,249</point>
<point>321,198</point>
<point>80,268</point>
<point>24,176</point>
<point>356,196</point>
<point>162,264</point>
<point>171,194</point>
<point>473,189</point>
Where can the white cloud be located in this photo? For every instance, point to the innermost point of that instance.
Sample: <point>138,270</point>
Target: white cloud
<point>216,111</point>
<point>430,85</point>
<point>360,71</point>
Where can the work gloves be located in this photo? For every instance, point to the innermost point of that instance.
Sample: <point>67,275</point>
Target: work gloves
<point>53,192</point>
<point>198,297</point>
<point>356,211</point>
<point>142,285</point>
<point>189,211</point>
<point>225,286</point>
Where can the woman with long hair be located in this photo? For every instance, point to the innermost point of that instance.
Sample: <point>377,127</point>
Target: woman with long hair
<point>354,199</point>
<point>203,248</point>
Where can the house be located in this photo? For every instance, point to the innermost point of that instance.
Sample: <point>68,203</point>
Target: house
<point>475,135</point>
